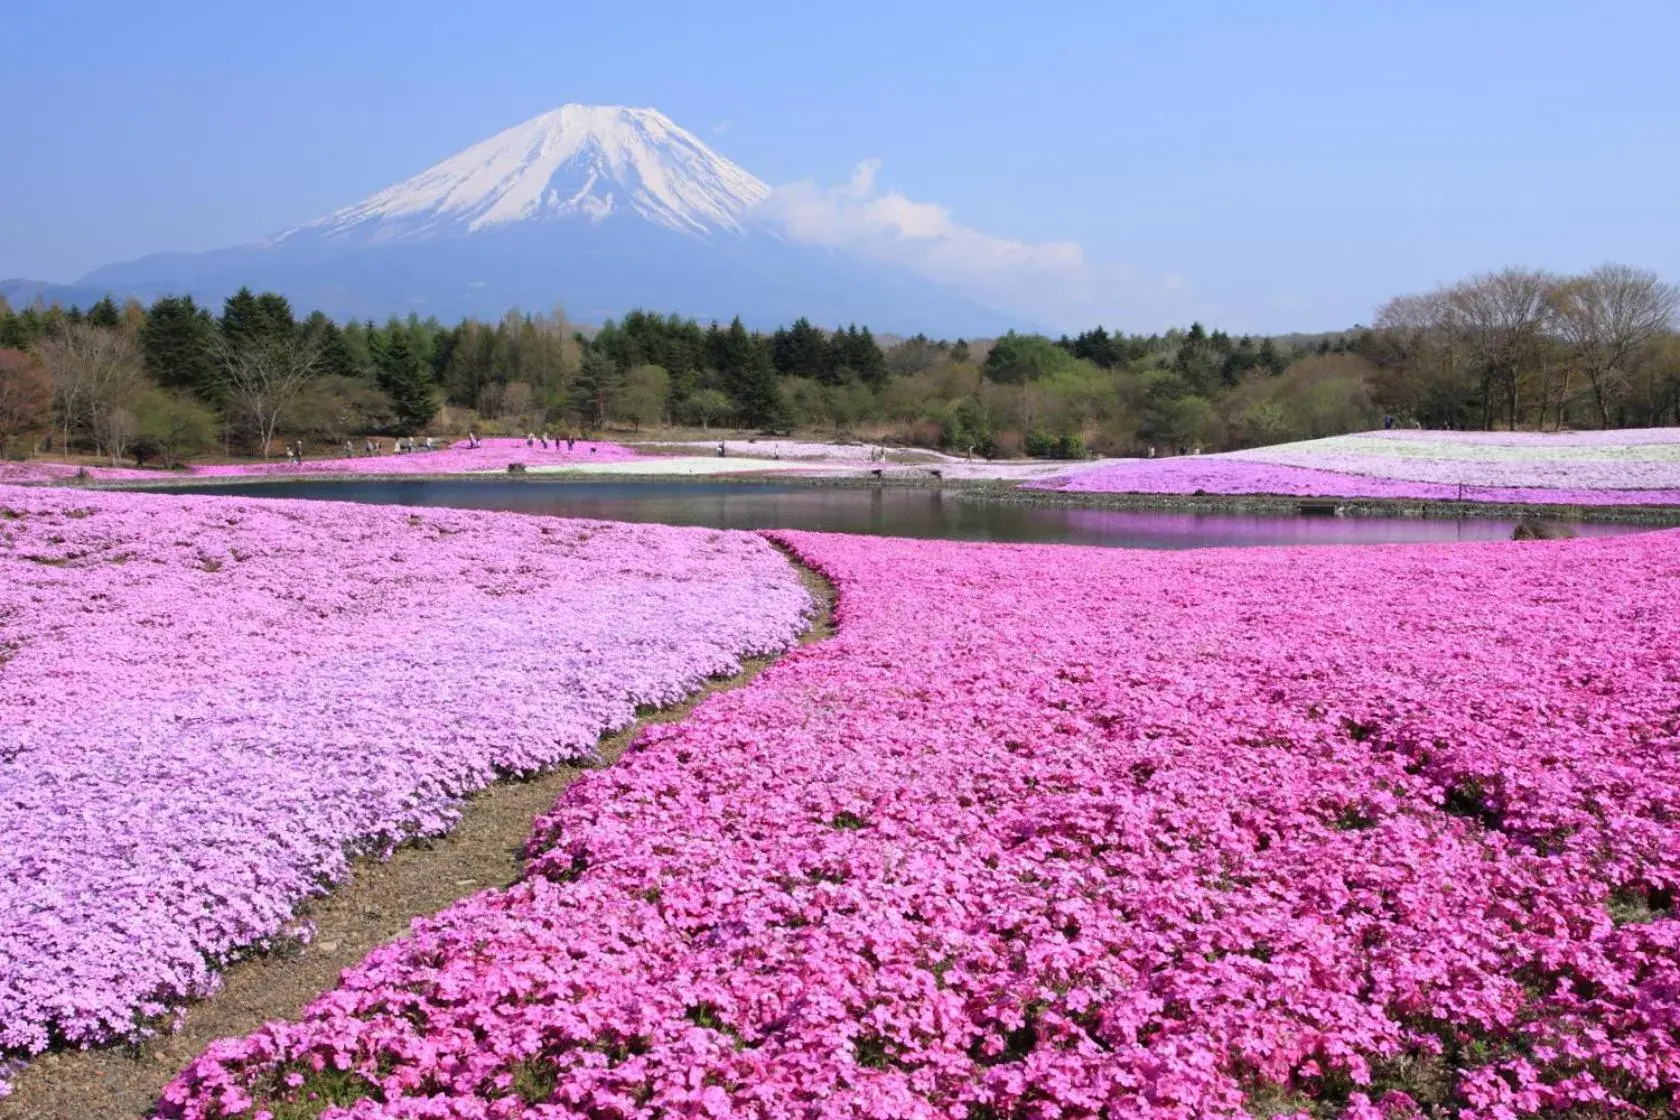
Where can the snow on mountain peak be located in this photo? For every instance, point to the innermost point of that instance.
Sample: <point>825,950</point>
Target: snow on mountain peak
<point>593,161</point>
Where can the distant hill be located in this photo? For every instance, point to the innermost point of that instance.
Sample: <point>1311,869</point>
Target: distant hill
<point>24,293</point>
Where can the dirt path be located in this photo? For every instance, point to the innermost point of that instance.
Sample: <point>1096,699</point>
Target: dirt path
<point>377,904</point>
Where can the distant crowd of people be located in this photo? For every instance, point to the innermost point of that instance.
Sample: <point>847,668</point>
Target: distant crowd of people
<point>408,444</point>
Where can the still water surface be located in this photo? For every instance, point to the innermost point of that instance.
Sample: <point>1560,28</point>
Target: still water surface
<point>885,512</point>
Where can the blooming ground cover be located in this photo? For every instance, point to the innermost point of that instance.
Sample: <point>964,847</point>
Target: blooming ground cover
<point>207,705</point>
<point>493,456</point>
<point>1633,467</point>
<point>1053,832</point>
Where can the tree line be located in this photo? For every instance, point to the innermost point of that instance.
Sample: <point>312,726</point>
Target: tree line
<point>1517,348</point>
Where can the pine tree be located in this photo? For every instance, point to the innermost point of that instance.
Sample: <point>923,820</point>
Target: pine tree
<point>274,315</point>
<point>801,351</point>
<point>406,383</point>
<point>336,358</point>
<point>748,374</point>
<point>866,358</point>
<point>241,318</point>
<point>178,345</point>
<point>105,313</point>
<point>598,385</point>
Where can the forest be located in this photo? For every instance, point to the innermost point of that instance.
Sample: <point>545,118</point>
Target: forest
<point>1516,349</point>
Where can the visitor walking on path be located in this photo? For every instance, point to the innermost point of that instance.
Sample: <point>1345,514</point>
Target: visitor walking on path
<point>530,440</point>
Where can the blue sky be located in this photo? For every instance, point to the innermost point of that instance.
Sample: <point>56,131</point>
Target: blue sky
<point>1267,166</point>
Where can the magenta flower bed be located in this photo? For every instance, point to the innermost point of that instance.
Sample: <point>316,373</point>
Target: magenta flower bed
<point>31,471</point>
<point>494,455</point>
<point>208,704</point>
<point>1054,832</point>
<point>1233,475</point>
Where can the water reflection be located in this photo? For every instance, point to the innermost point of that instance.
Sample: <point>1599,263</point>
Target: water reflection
<point>888,512</point>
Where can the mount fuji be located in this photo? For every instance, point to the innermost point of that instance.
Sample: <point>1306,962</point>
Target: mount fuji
<point>598,209</point>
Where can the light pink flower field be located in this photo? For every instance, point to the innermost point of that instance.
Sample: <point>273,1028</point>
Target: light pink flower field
<point>1615,468</point>
<point>207,705</point>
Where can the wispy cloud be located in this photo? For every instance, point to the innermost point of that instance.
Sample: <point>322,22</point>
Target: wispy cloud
<point>1051,282</point>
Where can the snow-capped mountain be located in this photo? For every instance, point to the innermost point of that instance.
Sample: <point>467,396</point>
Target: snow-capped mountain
<point>592,161</point>
<point>598,209</point>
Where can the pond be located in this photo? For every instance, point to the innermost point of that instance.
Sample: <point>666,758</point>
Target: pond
<point>886,512</point>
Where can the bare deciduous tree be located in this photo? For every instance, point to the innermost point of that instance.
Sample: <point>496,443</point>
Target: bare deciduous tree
<point>1606,318</point>
<point>265,376</point>
<point>93,371</point>
<point>114,429</point>
<point>1503,317</point>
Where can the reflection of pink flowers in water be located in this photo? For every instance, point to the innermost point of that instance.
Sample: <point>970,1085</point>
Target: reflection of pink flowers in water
<point>208,704</point>
<point>1058,831</point>
<point>1159,529</point>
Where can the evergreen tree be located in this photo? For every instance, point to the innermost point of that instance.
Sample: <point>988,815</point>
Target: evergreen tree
<point>274,315</point>
<point>405,382</point>
<point>747,373</point>
<point>333,353</point>
<point>15,330</point>
<point>105,313</point>
<point>178,345</point>
<point>1098,348</point>
<point>360,348</point>
<point>865,356</point>
<point>802,351</point>
<point>596,389</point>
<point>241,318</point>
<point>959,350</point>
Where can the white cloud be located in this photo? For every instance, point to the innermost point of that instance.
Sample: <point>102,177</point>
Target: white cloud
<point>1051,282</point>
<point>923,235</point>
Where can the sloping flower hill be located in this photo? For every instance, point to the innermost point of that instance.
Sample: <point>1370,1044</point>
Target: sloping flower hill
<point>1053,832</point>
<point>1611,468</point>
<point>493,455</point>
<point>208,704</point>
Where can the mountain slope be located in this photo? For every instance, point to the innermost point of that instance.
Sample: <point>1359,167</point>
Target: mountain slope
<point>596,208</point>
<point>579,160</point>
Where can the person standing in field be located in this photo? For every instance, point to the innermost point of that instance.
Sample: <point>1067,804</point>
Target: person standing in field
<point>571,441</point>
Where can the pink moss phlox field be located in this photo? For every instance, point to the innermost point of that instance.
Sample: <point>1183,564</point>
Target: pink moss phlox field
<point>1057,832</point>
<point>208,704</point>
<point>1613,468</point>
<point>493,455</point>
